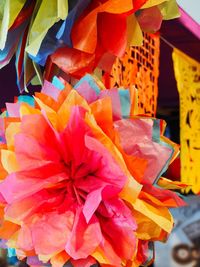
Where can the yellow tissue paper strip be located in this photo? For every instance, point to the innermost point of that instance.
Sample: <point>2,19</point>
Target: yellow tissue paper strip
<point>187,73</point>
<point>161,217</point>
<point>4,22</point>
<point>15,8</point>
<point>169,10</point>
<point>171,185</point>
<point>48,14</point>
<point>9,161</point>
<point>9,11</point>
<point>151,3</point>
<point>134,32</point>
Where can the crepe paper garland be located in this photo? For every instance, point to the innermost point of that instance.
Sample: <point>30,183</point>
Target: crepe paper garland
<point>80,177</point>
<point>83,34</point>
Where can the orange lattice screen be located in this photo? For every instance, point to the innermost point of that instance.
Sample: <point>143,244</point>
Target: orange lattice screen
<point>139,67</point>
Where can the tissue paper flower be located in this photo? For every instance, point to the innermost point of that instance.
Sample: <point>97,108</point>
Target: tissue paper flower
<point>80,177</point>
<point>83,34</point>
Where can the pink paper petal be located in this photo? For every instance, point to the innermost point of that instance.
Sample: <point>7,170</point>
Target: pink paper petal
<point>108,167</point>
<point>86,91</point>
<point>41,145</point>
<point>25,241</point>
<point>91,204</point>
<point>84,237</point>
<point>50,90</point>
<point>119,228</point>
<point>17,186</point>
<point>136,139</point>
<point>51,231</point>
<point>13,109</point>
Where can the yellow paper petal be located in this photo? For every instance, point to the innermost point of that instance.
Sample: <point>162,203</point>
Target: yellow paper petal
<point>43,106</point>
<point>100,256</point>
<point>147,229</point>
<point>62,9</point>
<point>4,22</point>
<point>64,111</point>
<point>151,3</point>
<point>161,216</point>
<point>35,81</point>
<point>171,185</point>
<point>134,32</point>
<point>46,258</point>
<point>131,190</point>
<point>9,161</point>
<point>38,72</point>
<point>48,14</point>
<point>59,259</point>
<point>169,10</point>
<point>29,70</point>
<point>29,67</point>
<point>15,8</point>
<point>50,113</point>
<point>3,173</point>
<point>12,129</point>
<point>26,109</point>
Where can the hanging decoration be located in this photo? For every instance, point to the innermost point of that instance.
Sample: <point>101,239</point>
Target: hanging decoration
<point>139,67</point>
<point>75,36</point>
<point>187,73</point>
<point>81,165</point>
<point>77,182</point>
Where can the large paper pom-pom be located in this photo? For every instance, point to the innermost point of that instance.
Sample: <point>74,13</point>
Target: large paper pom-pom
<point>80,177</point>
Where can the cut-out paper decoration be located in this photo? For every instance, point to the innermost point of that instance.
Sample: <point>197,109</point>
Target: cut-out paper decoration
<point>139,67</point>
<point>187,73</point>
<point>77,35</point>
<point>80,177</point>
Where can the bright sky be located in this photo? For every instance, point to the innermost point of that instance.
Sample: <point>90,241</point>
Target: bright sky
<point>192,7</point>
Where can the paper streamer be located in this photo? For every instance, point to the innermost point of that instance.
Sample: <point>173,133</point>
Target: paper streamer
<point>139,67</point>
<point>187,73</point>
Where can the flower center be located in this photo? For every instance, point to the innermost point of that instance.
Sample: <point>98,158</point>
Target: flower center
<point>69,186</point>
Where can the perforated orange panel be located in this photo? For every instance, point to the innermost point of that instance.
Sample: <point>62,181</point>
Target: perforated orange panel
<point>139,67</point>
